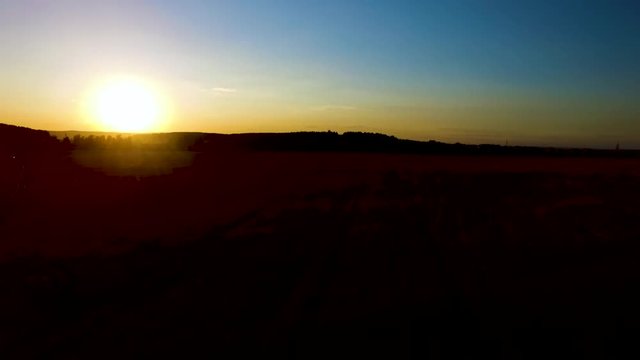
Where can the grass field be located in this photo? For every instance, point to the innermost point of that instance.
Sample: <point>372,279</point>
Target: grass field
<point>298,255</point>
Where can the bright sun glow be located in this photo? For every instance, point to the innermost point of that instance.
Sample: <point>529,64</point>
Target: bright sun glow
<point>127,105</point>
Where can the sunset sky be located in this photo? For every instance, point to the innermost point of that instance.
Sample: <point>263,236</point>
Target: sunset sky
<point>533,72</point>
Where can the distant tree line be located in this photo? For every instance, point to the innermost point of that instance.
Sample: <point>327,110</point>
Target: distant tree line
<point>331,141</point>
<point>100,142</point>
<point>20,142</point>
<point>170,141</point>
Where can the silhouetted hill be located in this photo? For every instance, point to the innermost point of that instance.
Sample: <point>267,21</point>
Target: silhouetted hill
<point>377,143</point>
<point>19,141</point>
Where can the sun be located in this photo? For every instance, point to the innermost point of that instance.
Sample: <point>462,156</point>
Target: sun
<point>127,105</point>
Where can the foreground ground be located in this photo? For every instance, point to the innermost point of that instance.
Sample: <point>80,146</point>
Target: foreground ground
<point>324,255</point>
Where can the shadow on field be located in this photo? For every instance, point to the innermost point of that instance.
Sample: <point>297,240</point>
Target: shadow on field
<point>431,265</point>
<point>254,253</point>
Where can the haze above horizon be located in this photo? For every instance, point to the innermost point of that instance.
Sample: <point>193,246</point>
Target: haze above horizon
<point>561,73</point>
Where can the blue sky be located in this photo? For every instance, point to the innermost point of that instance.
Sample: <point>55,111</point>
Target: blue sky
<point>544,72</point>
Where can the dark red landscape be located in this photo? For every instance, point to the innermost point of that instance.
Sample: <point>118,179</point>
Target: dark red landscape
<point>356,246</point>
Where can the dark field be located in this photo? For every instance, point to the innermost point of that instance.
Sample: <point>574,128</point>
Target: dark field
<point>258,254</point>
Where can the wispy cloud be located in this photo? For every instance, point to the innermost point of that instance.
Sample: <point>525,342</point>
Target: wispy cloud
<point>222,90</point>
<point>334,108</point>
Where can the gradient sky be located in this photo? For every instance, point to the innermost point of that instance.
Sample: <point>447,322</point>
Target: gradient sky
<point>534,72</point>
